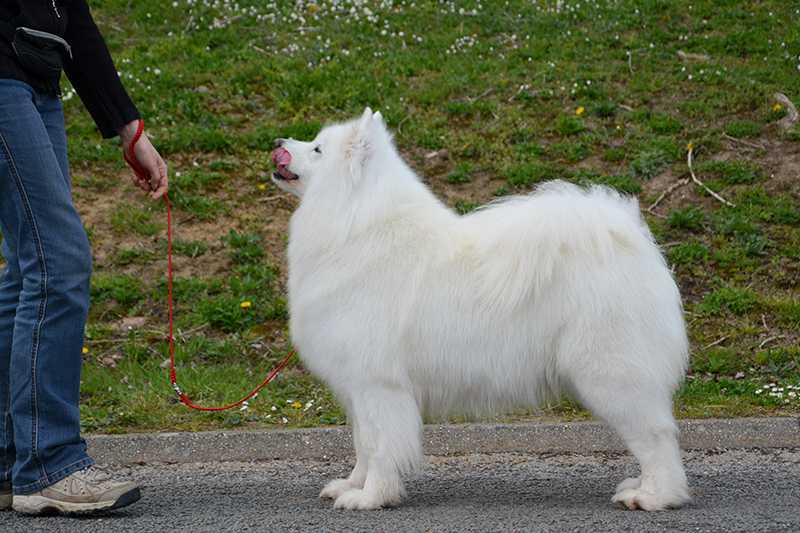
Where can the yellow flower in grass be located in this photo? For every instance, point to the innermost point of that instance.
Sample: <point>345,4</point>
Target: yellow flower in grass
<point>689,147</point>
<point>246,304</point>
<point>85,349</point>
<point>297,405</point>
<point>777,108</point>
<point>580,110</point>
<point>262,186</point>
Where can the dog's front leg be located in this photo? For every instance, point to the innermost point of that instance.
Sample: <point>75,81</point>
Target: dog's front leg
<point>358,476</point>
<point>390,433</point>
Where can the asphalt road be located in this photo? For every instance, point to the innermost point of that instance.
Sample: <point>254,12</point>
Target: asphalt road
<point>733,491</point>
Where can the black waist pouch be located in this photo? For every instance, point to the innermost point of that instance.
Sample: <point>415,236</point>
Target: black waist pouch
<point>41,54</point>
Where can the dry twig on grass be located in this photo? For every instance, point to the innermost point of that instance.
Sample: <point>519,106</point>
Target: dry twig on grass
<point>667,192</point>
<point>687,56</point>
<point>700,183</point>
<point>769,339</point>
<point>267,199</point>
<point>400,125</point>
<point>718,341</point>
<point>792,116</point>
<point>487,92</point>
<point>745,143</point>
<point>519,91</point>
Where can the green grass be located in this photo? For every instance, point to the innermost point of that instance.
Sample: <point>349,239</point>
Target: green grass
<point>743,128</point>
<point>728,299</point>
<point>647,164</point>
<point>123,289</point>
<point>189,248</point>
<point>461,174</point>
<point>463,206</point>
<point>244,248</point>
<point>129,219</point>
<point>730,172</point>
<point>688,253</point>
<point>690,218</point>
<point>500,90</point>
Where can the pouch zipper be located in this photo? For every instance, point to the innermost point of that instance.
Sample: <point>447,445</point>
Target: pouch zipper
<point>55,9</point>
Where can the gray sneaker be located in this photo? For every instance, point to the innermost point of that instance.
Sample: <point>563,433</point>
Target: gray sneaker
<point>85,491</point>
<point>5,495</point>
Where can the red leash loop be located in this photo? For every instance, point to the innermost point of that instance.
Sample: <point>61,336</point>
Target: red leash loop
<point>130,155</point>
<point>141,172</point>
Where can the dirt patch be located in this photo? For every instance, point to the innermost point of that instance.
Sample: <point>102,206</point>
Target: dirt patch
<point>781,163</point>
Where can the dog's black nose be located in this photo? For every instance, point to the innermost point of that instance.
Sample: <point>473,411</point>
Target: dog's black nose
<point>279,142</point>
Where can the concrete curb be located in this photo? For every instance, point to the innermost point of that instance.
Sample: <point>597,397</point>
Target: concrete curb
<point>440,440</point>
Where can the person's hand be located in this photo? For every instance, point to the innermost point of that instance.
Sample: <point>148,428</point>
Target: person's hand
<point>148,157</point>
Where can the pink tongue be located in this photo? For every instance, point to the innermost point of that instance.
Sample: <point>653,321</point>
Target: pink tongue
<point>281,157</point>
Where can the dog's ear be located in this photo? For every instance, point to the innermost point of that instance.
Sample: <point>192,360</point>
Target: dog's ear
<point>368,136</point>
<point>366,116</point>
<point>371,125</point>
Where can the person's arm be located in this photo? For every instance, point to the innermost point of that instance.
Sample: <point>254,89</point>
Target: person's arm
<point>95,79</point>
<point>93,74</point>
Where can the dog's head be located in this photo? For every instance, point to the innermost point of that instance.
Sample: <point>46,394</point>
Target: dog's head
<point>338,157</point>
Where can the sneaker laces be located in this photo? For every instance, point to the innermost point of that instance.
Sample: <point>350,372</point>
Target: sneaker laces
<point>96,474</point>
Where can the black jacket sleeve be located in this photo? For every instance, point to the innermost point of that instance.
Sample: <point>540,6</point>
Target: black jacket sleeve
<point>93,74</point>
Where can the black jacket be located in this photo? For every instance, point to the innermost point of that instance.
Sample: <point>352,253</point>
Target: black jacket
<point>91,70</point>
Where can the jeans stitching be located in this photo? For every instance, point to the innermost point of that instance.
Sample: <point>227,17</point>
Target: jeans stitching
<point>6,416</point>
<point>42,303</point>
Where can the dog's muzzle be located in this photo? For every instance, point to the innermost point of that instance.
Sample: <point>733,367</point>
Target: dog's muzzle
<point>282,158</point>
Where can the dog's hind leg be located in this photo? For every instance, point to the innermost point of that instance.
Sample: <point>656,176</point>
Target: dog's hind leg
<point>390,432</point>
<point>358,476</point>
<point>641,412</point>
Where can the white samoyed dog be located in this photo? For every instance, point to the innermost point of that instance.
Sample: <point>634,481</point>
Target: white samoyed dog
<point>406,309</point>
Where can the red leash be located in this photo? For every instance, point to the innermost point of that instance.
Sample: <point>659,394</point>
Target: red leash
<point>142,174</point>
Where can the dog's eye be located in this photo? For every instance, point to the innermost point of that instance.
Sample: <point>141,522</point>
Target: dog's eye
<point>318,149</point>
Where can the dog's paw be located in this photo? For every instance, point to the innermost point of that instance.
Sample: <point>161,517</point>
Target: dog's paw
<point>637,498</point>
<point>336,488</point>
<point>358,499</point>
<point>630,483</point>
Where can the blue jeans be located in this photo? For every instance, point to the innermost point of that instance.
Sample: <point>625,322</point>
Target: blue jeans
<point>44,295</point>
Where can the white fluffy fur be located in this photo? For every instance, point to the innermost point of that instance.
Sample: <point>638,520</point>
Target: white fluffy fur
<point>406,309</point>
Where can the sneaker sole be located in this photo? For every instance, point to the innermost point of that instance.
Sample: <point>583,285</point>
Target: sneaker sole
<point>5,501</point>
<point>36,505</point>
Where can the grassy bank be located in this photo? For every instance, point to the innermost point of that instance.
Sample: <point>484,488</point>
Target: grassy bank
<point>486,99</point>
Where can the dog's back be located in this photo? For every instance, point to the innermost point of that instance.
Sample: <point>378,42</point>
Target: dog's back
<point>490,321</point>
